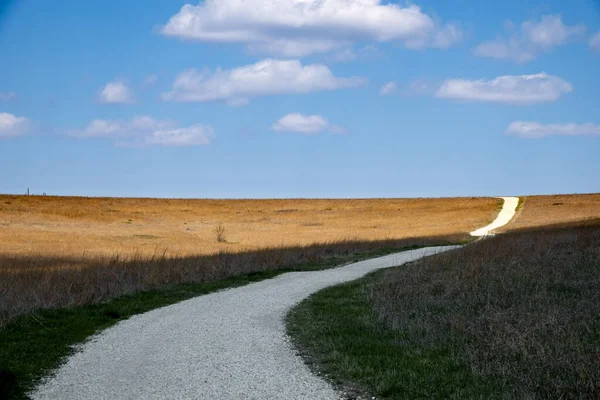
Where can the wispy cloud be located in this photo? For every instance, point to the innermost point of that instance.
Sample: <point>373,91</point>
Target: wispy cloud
<point>7,96</point>
<point>535,130</point>
<point>364,53</point>
<point>305,124</point>
<point>11,125</point>
<point>594,42</point>
<point>420,87</point>
<point>146,131</point>
<point>388,88</point>
<point>532,39</point>
<point>116,92</point>
<point>510,89</point>
<point>268,77</point>
<point>299,28</point>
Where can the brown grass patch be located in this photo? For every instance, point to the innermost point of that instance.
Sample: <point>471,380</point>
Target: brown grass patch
<point>66,251</point>
<point>73,226</point>
<point>34,282</point>
<point>540,211</point>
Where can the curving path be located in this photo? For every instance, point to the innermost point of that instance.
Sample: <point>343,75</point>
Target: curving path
<point>509,208</point>
<point>226,345</point>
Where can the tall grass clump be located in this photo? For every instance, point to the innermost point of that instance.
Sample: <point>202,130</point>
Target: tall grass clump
<point>28,283</point>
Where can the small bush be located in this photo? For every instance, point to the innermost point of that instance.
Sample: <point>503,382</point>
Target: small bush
<point>220,233</point>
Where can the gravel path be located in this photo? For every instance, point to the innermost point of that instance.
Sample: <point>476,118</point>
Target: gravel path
<point>226,345</point>
<point>509,208</point>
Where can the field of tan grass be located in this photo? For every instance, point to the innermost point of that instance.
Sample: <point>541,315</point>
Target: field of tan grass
<point>73,226</point>
<point>67,251</point>
<point>562,209</point>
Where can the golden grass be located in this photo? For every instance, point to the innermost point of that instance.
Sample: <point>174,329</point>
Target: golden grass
<point>540,211</point>
<point>67,251</point>
<point>73,226</point>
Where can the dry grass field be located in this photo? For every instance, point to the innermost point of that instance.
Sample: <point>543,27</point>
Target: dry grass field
<point>523,308</point>
<point>67,251</point>
<point>514,316</point>
<point>541,211</point>
<point>73,226</point>
<point>58,253</point>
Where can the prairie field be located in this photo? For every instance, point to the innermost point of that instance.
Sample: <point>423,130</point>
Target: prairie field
<point>74,226</point>
<point>514,316</point>
<point>69,251</point>
<point>562,209</point>
<point>66,262</point>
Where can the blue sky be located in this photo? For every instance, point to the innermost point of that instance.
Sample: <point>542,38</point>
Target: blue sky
<point>299,98</point>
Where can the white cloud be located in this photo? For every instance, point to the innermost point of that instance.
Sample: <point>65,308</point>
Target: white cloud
<point>388,88</point>
<point>595,41</point>
<point>447,36</point>
<point>368,52</point>
<point>534,130</point>
<point>11,125</point>
<point>292,48</point>
<point>7,96</point>
<point>533,38</point>
<point>194,135</point>
<point>146,131</point>
<point>344,55</point>
<point>268,77</point>
<point>296,28</point>
<point>511,89</point>
<point>116,92</point>
<point>306,124</point>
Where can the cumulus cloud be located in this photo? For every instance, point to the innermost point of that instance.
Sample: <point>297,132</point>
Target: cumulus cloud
<point>532,39</point>
<point>388,88</point>
<point>534,130</point>
<point>296,28</point>
<point>146,131</point>
<point>306,124</point>
<point>595,41</point>
<point>7,96</point>
<point>511,89</point>
<point>116,92</point>
<point>11,125</point>
<point>194,135</point>
<point>268,77</point>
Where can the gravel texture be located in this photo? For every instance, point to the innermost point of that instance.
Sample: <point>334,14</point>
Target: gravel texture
<point>226,345</point>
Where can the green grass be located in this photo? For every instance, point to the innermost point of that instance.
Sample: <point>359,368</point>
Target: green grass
<point>34,344</point>
<point>341,337</point>
<point>515,316</point>
<point>520,203</point>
